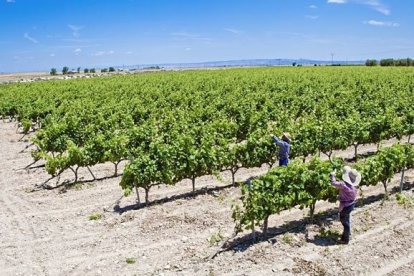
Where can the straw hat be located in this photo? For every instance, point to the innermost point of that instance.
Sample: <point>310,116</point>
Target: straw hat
<point>351,176</point>
<point>286,136</point>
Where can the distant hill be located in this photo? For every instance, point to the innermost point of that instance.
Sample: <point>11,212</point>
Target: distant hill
<point>244,63</point>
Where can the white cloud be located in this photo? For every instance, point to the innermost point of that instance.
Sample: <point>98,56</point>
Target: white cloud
<point>52,55</point>
<point>381,23</point>
<point>28,37</point>
<point>78,51</point>
<point>103,53</point>
<point>184,34</point>
<point>10,1</point>
<point>313,17</point>
<point>376,5</point>
<point>189,36</point>
<point>188,49</point>
<point>337,1</point>
<point>313,7</point>
<point>75,29</point>
<point>233,31</point>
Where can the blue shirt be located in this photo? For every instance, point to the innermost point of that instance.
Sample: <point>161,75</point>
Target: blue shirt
<point>284,148</point>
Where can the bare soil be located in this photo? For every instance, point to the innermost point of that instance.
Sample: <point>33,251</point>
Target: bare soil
<point>50,232</point>
<point>43,76</point>
<point>14,77</point>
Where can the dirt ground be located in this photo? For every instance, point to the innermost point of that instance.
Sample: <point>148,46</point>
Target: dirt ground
<point>13,77</point>
<point>50,232</point>
<point>42,76</point>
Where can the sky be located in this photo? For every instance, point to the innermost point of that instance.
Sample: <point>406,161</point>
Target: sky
<point>38,35</point>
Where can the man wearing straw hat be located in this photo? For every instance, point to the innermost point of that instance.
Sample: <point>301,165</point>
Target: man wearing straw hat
<point>347,195</point>
<point>284,148</point>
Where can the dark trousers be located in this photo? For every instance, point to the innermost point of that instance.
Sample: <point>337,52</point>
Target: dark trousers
<point>345,217</point>
<point>283,162</point>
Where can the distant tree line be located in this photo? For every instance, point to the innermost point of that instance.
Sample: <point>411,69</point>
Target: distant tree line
<point>152,68</point>
<point>110,69</point>
<point>66,71</point>
<point>390,62</point>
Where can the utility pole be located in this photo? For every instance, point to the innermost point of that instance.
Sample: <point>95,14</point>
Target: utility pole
<point>332,56</point>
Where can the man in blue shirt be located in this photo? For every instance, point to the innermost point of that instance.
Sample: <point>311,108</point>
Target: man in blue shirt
<point>284,148</point>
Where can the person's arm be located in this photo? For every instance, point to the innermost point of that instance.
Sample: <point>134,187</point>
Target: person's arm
<point>278,141</point>
<point>338,184</point>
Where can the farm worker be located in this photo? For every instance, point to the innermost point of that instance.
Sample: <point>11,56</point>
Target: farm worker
<point>284,148</point>
<point>347,195</point>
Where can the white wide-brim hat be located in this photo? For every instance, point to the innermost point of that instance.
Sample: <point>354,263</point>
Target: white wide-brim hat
<point>351,176</point>
<point>287,136</point>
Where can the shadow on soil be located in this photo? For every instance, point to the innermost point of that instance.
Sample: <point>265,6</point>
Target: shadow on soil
<point>67,184</point>
<point>137,206</point>
<point>360,156</point>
